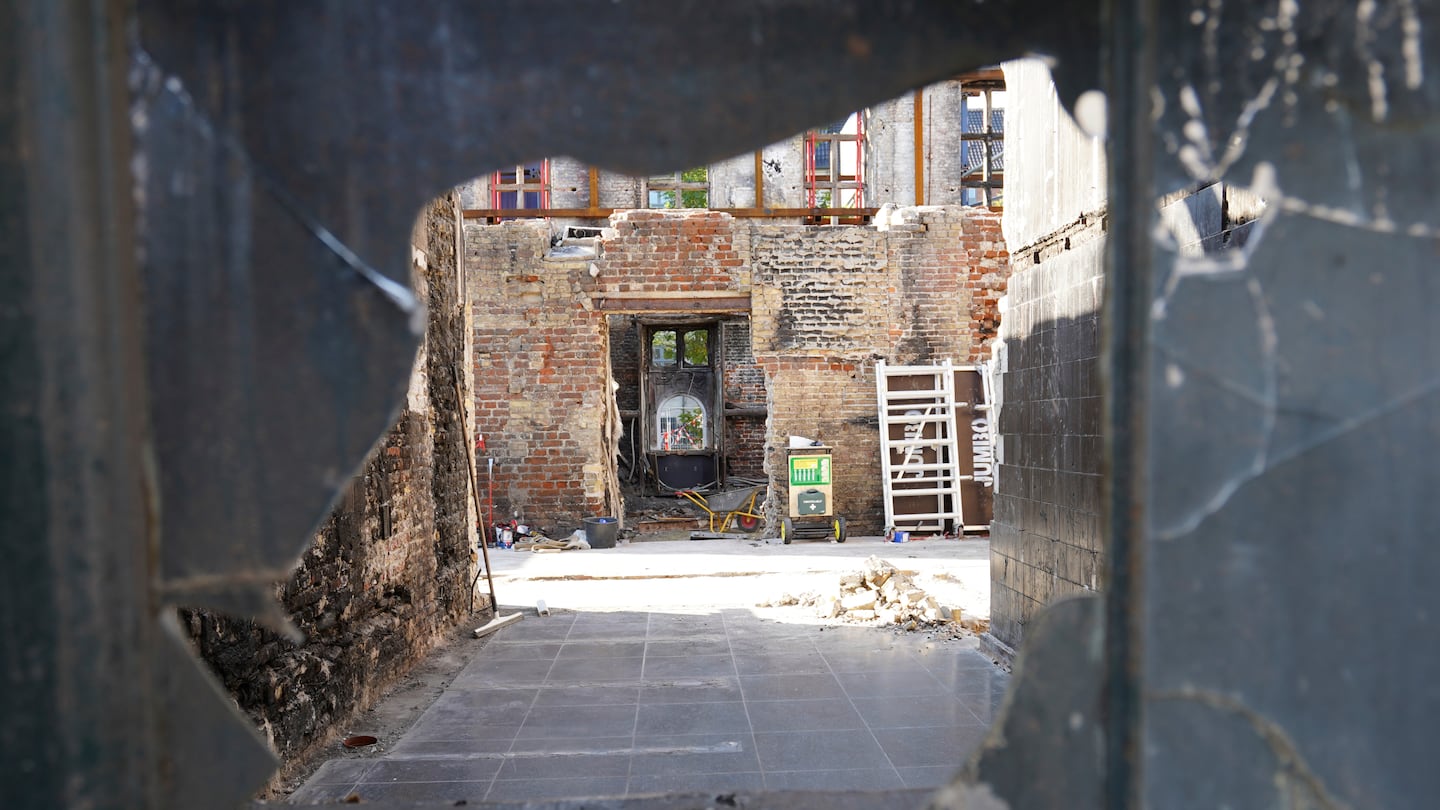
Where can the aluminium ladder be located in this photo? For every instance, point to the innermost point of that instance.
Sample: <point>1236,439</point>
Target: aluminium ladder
<point>919,461</point>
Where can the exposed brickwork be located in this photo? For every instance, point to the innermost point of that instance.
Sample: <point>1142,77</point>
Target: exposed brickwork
<point>542,388</point>
<point>390,568</point>
<point>655,252</point>
<point>826,302</point>
<point>744,388</point>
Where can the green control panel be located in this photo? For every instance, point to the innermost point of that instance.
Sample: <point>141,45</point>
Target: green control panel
<point>809,471</point>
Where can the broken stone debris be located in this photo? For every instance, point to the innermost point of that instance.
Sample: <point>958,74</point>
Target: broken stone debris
<point>881,591</point>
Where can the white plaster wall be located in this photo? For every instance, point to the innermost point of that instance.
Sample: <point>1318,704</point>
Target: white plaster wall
<point>1054,172</point>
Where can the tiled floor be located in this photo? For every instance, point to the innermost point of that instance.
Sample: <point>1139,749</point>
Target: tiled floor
<point>614,704</point>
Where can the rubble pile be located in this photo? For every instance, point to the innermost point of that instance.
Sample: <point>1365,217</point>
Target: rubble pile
<point>882,591</point>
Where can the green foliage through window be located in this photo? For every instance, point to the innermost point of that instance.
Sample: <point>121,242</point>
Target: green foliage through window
<point>697,348</point>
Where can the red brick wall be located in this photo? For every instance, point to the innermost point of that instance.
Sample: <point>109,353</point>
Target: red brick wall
<point>989,266</point>
<point>541,383</point>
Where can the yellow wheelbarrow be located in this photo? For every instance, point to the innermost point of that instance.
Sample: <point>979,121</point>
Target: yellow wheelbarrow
<point>737,506</point>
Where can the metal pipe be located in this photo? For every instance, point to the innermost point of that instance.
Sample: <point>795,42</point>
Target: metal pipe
<point>475,494</point>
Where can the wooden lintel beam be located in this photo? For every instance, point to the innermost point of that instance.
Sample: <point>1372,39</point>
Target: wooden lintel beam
<point>594,187</point>
<point>920,146</point>
<point>759,179</point>
<point>731,303</point>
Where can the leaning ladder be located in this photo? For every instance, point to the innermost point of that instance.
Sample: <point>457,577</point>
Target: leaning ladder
<point>922,463</point>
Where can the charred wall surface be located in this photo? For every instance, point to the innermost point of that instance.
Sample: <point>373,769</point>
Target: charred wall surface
<point>390,568</point>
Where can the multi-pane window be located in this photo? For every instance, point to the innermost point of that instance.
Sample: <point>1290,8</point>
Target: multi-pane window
<point>526,185</point>
<point>833,165</point>
<point>687,189</point>
<point>982,144</point>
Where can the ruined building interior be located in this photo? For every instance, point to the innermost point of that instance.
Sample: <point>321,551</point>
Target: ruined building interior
<point>1121,353</point>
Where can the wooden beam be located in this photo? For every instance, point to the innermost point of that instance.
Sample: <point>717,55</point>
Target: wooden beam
<point>759,179</point>
<point>594,187</point>
<point>725,304</point>
<point>920,147</point>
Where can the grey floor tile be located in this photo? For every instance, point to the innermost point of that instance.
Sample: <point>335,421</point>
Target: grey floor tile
<point>857,778</point>
<point>434,770</point>
<point>663,626</point>
<point>952,658</point>
<point>694,753</point>
<point>572,746</point>
<point>900,683</point>
<point>532,631</point>
<point>831,714</point>
<point>419,747</point>
<point>603,695</point>
<point>928,776</point>
<point>595,670</point>
<point>909,747</point>
<point>461,731</point>
<point>691,690</point>
<point>969,681</point>
<point>601,649</point>
<point>937,710</point>
<point>690,666</point>
<point>500,707</point>
<point>985,705</point>
<point>780,663</point>
<point>871,661</point>
<point>818,750</point>
<point>341,772</point>
<point>550,766</point>
<point>539,651</point>
<point>505,671</point>
<point>578,721</point>
<point>316,794</point>
<point>641,785</point>
<point>791,687</point>
<point>423,791</point>
<point>695,646</point>
<point>692,718</point>
<point>515,790</point>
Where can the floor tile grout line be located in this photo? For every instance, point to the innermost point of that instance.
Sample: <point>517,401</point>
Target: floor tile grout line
<point>640,687</point>
<point>856,709</point>
<point>744,702</point>
<point>539,688</point>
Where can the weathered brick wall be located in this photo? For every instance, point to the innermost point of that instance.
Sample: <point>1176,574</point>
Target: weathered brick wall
<point>826,302</point>
<point>673,252</point>
<point>390,568</point>
<point>744,388</point>
<point>541,383</point>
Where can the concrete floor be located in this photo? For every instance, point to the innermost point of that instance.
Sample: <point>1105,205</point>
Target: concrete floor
<point>661,676</point>
<point>733,573</point>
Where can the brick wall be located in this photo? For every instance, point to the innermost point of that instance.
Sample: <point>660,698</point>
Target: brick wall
<point>541,381</point>
<point>390,568</point>
<point>744,388</point>
<point>826,302</point>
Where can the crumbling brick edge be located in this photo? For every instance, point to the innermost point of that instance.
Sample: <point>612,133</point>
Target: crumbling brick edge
<point>997,651</point>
